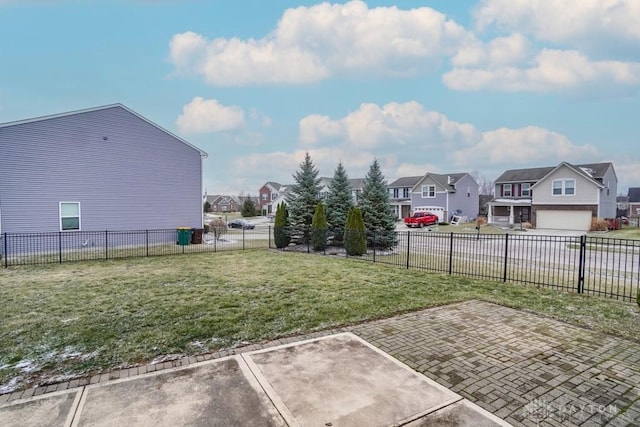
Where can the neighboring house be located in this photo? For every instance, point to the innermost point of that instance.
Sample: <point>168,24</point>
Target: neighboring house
<point>634,201</point>
<point>446,195</point>
<point>400,195</point>
<point>562,197</point>
<point>103,168</point>
<point>267,195</point>
<point>222,203</point>
<point>356,184</point>
<point>622,206</point>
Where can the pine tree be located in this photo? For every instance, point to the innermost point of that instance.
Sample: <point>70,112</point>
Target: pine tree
<point>248,208</point>
<point>319,228</point>
<point>302,200</point>
<point>281,227</point>
<point>339,202</point>
<point>355,239</point>
<point>379,219</point>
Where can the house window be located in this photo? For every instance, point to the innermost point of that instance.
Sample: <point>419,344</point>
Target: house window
<point>525,189</point>
<point>69,216</point>
<point>274,196</point>
<point>405,192</point>
<point>396,193</point>
<point>265,196</point>
<point>507,190</point>
<point>566,187</point>
<point>428,191</point>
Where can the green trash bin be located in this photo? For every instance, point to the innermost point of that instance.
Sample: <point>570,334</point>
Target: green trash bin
<point>184,235</point>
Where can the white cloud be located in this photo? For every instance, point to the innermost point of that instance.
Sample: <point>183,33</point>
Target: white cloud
<point>551,70</point>
<point>312,43</point>
<point>525,146</point>
<point>588,24</point>
<point>498,52</point>
<point>208,115</point>
<point>395,123</point>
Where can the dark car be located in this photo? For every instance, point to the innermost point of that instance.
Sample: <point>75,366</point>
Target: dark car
<point>241,223</point>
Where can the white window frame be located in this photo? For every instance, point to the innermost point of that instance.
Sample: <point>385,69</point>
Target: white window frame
<point>504,190</point>
<point>563,187</point>
<point>405,192</point>
<point>427,190</point>
<point>527,189</point>
<point>63,217</point>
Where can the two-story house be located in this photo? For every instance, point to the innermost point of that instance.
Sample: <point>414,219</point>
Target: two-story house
<point>267,195</point>
<point>400,195</point>
<point>634,201</point>
<point>446,195</point>
<point>564,197</point>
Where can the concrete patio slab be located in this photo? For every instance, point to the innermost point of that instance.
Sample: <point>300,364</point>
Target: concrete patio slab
<point>220,393</point>
<point>341,380</point>
<point>462,413</point>
<point>53,409</point>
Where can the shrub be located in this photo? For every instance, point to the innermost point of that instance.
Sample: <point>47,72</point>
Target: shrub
<point>218,227</point>
<point>355,235</point>
<point>480,221</point>
<point>281,232</point>
<point>319,228</point>
<point>599,224</point>
<point>527,225</point>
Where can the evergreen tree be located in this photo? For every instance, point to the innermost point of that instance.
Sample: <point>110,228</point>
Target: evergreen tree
<point>281,227</point>
<point>379,219</point>
<point>355,239</point>
<point>248,208</point>
<point>302,199</point>
<point>207,206</point>
<point>319,228</point>
<point>339,202</point>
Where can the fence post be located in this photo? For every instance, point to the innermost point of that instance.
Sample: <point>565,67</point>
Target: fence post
<point>374,245</point>
<point>60,247</point>
<point>106,244</point>
<point>6,254</point>
<point>506,256</point>
<point>581,263</point>
<point>243,238</point>
<point>269,237</point>
<point>408,247</point>
<point>451,253</point>
<point>147,241</point>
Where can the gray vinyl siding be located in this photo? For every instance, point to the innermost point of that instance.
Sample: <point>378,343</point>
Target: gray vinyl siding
<point>467,203</point>
<point>139,177</point>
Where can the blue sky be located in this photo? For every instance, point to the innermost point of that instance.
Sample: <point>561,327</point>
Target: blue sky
<point>423,86</point>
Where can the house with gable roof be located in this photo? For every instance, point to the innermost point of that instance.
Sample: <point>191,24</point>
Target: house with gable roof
<point>562,197</point>
<point>446,195</point>
<point>102,168</point>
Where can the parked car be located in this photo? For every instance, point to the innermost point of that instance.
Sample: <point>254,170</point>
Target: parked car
<point>421,219</point>
<point>241,223</point>
<point>624,220</point>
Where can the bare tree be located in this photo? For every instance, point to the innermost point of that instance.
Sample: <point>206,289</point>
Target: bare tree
<point>485,185</point>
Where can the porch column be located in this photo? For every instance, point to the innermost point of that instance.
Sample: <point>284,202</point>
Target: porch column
<point>511,214</point>
<point>490,214</point>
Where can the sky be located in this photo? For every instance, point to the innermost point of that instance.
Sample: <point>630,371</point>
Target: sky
<point>422,86</point>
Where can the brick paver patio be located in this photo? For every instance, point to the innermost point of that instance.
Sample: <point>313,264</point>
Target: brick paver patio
<point>527,369</point>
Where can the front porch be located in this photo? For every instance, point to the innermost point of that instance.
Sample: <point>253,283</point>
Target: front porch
<point>506,212</point>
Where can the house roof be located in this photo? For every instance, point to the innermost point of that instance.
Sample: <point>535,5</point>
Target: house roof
<point>634,194</point>
<point>590,170</point>
<point>356,183</point>
<point>203,154</point>
<point>585,170</point>
<point>446,181</point>
<point>407,181</point>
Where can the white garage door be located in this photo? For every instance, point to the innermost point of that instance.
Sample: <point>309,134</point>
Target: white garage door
<point>564,220</point>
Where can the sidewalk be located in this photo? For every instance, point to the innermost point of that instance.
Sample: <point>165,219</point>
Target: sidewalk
<point>521,367</point>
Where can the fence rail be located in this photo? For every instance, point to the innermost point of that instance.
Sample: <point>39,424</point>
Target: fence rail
<point>43,248</point>
<point>588,265</point>
<point>598,266</point>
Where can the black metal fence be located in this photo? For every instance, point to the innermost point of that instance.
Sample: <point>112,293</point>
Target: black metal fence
<point>42,248</point>
<point>588,265</point>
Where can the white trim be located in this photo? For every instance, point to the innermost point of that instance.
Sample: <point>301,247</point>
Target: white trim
<point>79,215</point>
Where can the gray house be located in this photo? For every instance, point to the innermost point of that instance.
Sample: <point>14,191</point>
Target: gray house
<point>103,168</point>
<point>446,195</point>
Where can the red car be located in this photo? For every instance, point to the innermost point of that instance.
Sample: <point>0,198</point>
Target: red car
<point>421,219</point>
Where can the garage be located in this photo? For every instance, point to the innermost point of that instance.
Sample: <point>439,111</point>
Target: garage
<point>563,220</point>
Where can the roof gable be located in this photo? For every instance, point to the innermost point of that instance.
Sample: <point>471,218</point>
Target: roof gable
<point>100,108</point>
<point>585,172</point>
<point>446,182</point>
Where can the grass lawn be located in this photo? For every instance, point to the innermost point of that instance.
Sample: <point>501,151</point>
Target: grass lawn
<point>81,318</point>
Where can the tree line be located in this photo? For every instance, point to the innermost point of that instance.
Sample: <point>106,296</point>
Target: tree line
<point>339,221</point>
